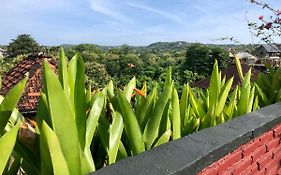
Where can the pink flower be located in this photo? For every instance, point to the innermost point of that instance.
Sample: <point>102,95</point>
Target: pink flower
<point>260,17</point>
<point>268,25</point>
<point>278,12</point>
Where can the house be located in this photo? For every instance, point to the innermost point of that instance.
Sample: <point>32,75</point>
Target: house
<point>2,52</point>
<point>247,58</point>
<point>229,72</point>
<point>28,102</point>
<point>268,51</point>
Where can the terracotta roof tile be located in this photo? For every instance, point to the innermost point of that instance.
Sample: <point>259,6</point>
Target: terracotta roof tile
<point>28,102</point>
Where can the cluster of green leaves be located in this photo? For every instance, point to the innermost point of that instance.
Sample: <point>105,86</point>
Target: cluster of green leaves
<point>79,131</point>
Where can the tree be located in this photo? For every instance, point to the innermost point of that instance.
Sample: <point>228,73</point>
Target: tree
<point>200,58</point>
<point>23,44</point>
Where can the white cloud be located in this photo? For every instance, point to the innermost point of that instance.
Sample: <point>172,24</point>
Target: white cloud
<point>167,15</point>
<point>109,8</point>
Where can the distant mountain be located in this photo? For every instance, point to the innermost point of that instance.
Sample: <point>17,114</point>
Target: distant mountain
<point>167,46</point>
<point>163,46</point>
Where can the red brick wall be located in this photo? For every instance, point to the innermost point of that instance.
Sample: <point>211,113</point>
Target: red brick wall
<point>261,155</point>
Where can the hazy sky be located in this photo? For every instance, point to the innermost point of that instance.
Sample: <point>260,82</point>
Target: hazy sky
<point>133,22</point>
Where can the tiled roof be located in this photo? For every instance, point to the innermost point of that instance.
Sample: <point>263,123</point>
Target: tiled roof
<point>229,72</point>
<point>271,48</point>
<point>28,102</point>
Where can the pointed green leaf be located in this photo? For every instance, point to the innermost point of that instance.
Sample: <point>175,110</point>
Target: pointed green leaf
<point>59,163</point>
<point>9,103</point>
<point>132,127</point>
<point>164,138</point>
<point>129,89</point>
<point>115,133</point>
<point>223,96</point>
<point>176,119</point>
<point>7,142</point>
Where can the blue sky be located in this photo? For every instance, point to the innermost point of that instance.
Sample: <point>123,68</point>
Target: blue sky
<point>133,22</point>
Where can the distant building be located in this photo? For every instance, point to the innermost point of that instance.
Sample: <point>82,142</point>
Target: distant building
<point>247,58</point>
<point>28,102</point>
<point>268,51</point>
<point>2,52</point>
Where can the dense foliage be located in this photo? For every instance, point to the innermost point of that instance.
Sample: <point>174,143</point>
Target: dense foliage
<point>200,58</point>
<point>145,63</point>
<point>23,44</point>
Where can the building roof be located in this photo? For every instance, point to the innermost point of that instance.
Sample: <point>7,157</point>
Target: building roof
<point>246,55</point>
<point>271,48</point>
<point>229,72</point>
<point>28,102</point>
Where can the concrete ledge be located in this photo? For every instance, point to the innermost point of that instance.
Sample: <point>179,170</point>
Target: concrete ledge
<point>194,152</point>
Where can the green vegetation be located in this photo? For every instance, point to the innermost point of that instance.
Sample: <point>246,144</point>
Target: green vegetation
<point>23,44</point>
<point>101,127</point>
<point>146,63</point>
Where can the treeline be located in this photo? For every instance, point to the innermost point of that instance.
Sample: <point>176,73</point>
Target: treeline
<point>189,63</point>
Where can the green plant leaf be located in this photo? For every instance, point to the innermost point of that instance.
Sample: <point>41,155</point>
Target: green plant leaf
<point>132,127</point>
<point>9,103</point>
<point>184,104</point>
<point>129,89</point>
<point>59,163</point>
<point>93,117</point>
<point>176,118</point>
<point>63,74</point>
<point>239,68</point>
<point>215,85</point>
<point>222,97</point>
<point>115,133</point>
<point>7,142</point>
<point>152,128</point>
<point>164,138</point>
<point>144,110</point>
<point>77,86</point>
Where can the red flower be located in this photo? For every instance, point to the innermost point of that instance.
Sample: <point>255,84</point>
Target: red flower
<point>260,17</point>
<point>268,25</point>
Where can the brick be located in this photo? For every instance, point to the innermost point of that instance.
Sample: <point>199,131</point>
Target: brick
<point>250,147</point>
<point>254,168</point>
<point>209,171</point>
<point>246,171</point>
<point>258,152</point>
<point>261,172</point>
<point>226,172</point>
<point>230,159</point>
<point>264,160</point>
<point>277,152</point>
<point>277,131</point>
<point>272,167</point>
<point>241,165</point>
<point>266,137</point>
<point>272,143</point>
<point>279,171</point>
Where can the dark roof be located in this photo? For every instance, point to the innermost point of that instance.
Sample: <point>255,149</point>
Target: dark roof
<point>271,48</point>
<point>28,102</point>
<point>229,72</point>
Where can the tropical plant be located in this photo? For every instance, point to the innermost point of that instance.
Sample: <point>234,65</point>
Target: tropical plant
<point>78,131</point>
<point>269,86</point>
